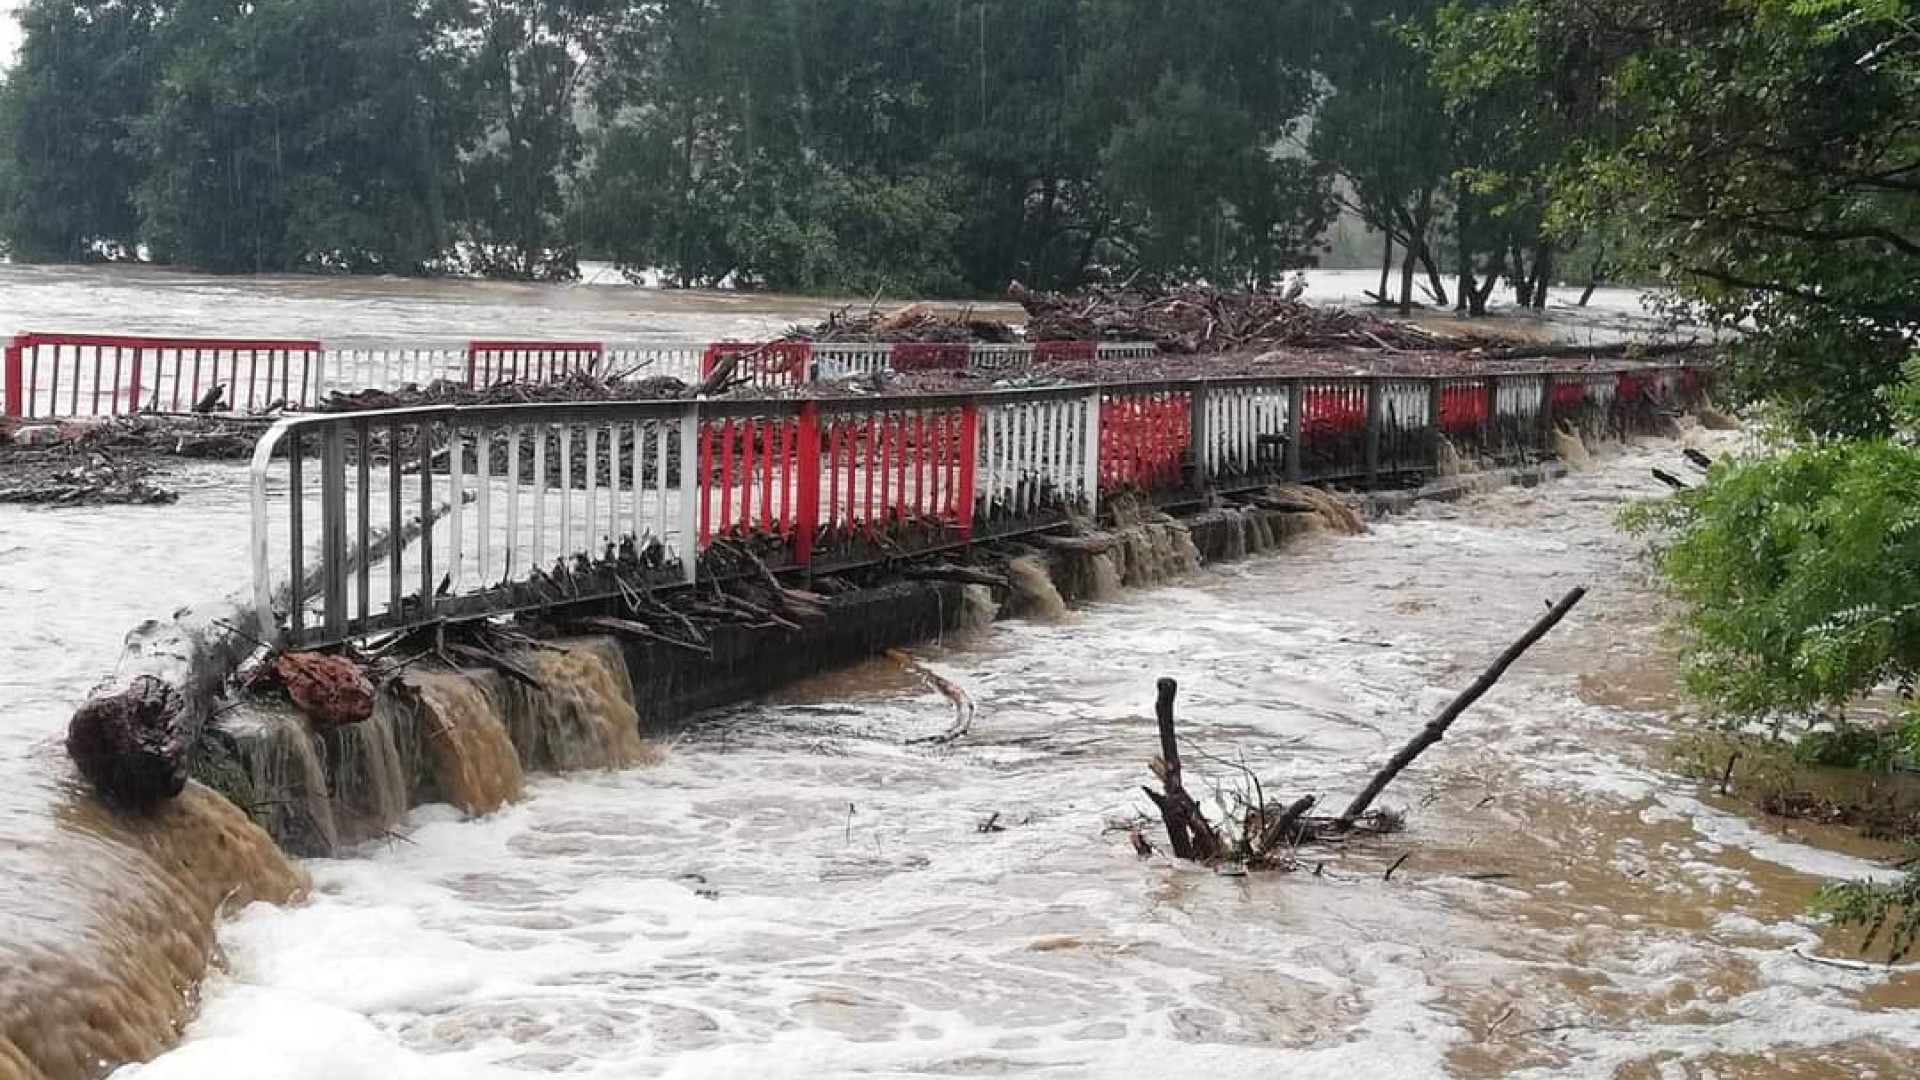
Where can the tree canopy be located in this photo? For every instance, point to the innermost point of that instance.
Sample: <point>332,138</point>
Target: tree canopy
<point>913,145</point>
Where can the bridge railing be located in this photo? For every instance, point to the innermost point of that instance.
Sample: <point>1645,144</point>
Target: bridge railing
<point>403,518</point>
<point>75,375</point>
<point>69,376</point>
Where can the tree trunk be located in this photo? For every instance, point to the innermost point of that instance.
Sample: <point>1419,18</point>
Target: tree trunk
<point>1433,273</point>
<point>1478,306</point>
<point>1542,275</point>
<point>1593,277</point>
<point>1522,281</point>
<point>1386,264</point>
<point>1463,263</point>
<point>1407,265</point>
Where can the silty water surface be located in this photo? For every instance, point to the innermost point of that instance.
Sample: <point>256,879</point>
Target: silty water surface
<point>796,892</point>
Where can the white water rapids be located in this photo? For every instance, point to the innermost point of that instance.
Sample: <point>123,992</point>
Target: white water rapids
<point>795,893</point>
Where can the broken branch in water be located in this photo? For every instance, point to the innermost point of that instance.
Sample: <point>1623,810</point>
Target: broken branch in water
<point>962,704</point>
<point>1188,830</point>
<point>1437,728</point>
<point>1270,831</point>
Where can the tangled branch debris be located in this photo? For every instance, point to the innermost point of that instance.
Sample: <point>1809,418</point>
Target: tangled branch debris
<point>1270,831</point>
<point>913,323</point>
<point>578,387</point>
<point>1200,319</point>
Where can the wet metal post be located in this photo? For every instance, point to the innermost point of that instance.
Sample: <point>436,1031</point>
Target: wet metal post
<point>1547,425</point>
<point>688,545</point>
<point>1296,400</point>
<point>1373,430</point>
<point>333,531</point>
<point>1436,406</point>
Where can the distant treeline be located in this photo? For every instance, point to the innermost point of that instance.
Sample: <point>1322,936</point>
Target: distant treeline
<point>926,146</point>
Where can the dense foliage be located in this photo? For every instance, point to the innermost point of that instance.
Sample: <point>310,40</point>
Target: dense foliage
<point>1760,156</point>
<point>912,145</point>
<point>1799,571</point>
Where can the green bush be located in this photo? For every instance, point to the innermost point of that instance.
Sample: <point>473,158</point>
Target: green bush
<point>1799,574</point>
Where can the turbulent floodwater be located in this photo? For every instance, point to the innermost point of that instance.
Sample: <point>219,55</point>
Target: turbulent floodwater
<point>349,311</point>
<point>794,892</point>
<point>360,311</point>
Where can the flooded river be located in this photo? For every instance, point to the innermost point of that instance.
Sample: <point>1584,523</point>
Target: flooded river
<point>794,892</point>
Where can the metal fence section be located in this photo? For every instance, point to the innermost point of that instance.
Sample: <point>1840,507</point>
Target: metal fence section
<point>390,367</point>
<point>655,359</point>
<point>388,520</point>
<point>1146,438</point>
<point>765,364</point>
<point>92,375</point>
<point>465,511</point>
<point>84,375</point>
<point>1242,430</point>
<point>895,476</point>
<point>490,363</point>
<point>750,475</point>
<point>1038,458</point>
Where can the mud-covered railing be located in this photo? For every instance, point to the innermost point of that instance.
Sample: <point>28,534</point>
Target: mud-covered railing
<point>93,375</point>
<point>390,520</point>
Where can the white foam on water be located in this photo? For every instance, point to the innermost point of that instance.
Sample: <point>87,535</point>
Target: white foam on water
<point>797,892</point>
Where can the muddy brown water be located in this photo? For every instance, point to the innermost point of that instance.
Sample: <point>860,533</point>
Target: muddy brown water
<point>795,890</point>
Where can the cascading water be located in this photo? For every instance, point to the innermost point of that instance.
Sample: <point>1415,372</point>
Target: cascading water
<point>110,919</point>
<point>1033,589</point>
<point>474,763</point>
<point>978,609</point>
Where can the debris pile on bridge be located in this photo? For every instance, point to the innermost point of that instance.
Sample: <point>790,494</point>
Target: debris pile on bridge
<point>1200,319</point>
<point>577,387</point>
<point>1268,835</point>
<point>913,323</point>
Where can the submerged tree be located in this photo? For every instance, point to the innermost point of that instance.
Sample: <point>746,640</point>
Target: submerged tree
<point>297,134</point>
<point>67,172</point>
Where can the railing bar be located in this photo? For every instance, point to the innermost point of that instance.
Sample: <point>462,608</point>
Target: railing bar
<point>539,498</point>
<point>566,490</point>
<point>456,499</point>
<point>395,564</point>
<point>514,434</point>
<point>363,490</point>
<point>483,465</point>
<point>427,585</point>
<point>296,541</point>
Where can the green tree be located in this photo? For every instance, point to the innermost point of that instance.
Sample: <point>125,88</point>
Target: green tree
<point>1799,572</point>
<point>67,174</point>
<point>296,134</point>
<point>1766,156</point>
<point>526,76</point>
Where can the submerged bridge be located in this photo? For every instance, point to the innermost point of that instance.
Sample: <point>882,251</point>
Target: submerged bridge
<point>370,522</point>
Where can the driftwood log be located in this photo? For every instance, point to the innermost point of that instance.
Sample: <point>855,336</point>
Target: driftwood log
<point>332,690</point>
<point>132,745</point>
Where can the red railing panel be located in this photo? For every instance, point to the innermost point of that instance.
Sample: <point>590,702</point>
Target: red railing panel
<point>769,364</point>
